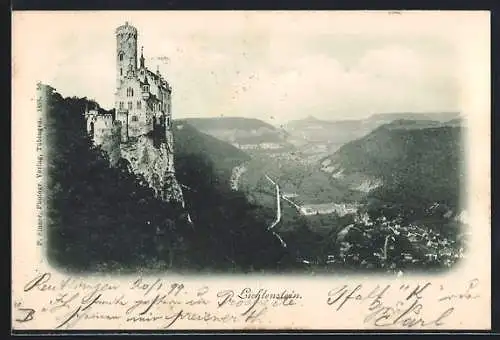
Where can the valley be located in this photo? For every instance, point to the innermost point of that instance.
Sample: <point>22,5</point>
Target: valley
<point>382,175</point>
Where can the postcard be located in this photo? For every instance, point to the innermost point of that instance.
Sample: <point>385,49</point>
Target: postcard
<point>251,170</point>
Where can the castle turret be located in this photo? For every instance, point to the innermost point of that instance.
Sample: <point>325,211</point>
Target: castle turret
<point>126,51</point>
<point>142,65</point>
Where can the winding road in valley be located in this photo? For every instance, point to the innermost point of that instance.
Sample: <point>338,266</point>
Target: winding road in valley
<point>278,212</point>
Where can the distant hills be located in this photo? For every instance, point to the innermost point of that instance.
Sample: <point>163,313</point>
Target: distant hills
<point>389,117</point>
<point>227,123</point>
<point>315,136</point>
<point>313,124</point>
<point>244,133</point>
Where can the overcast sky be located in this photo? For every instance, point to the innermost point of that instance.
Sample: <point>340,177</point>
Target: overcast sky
<point>272,66</point>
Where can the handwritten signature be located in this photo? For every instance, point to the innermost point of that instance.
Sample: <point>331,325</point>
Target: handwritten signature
<point>403,314</point>
<point>407,311</point>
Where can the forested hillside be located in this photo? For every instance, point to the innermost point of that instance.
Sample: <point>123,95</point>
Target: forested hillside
<point>191,143</point>
<point>415,164</point>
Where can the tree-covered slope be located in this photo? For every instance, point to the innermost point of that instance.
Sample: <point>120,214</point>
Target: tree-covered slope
<point>413,163</point>
<point>190,142</point>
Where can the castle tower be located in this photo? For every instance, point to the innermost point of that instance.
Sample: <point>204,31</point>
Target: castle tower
<point>126,51</point>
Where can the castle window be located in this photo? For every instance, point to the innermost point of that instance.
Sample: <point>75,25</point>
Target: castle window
<point>121,56</point>
<point>121,105</point>
<point>130,92</point>
<point>139,104</point>
<point>130,105</point>
<point>121,71</point>
<point>134,118</point>
<point>145,88</point>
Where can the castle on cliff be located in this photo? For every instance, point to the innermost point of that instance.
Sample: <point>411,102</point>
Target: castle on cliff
<point>142,99</point>
<point>140,129</point>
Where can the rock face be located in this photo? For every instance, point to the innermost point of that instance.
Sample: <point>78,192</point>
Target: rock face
<point>156,165</point>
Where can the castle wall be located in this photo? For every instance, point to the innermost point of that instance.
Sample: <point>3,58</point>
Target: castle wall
<point>169,145</point>
<point>111,141</point>
<point>168,111</point>
<point>141,109</point>
<point>105,133</point>
<point>91,118</point>
<point>143,125</point>
<point>122,117</point>
<point>153,83</point>
<point>102,128</point>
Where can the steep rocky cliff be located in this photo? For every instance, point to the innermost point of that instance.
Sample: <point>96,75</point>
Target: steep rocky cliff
<point>156,165</point>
